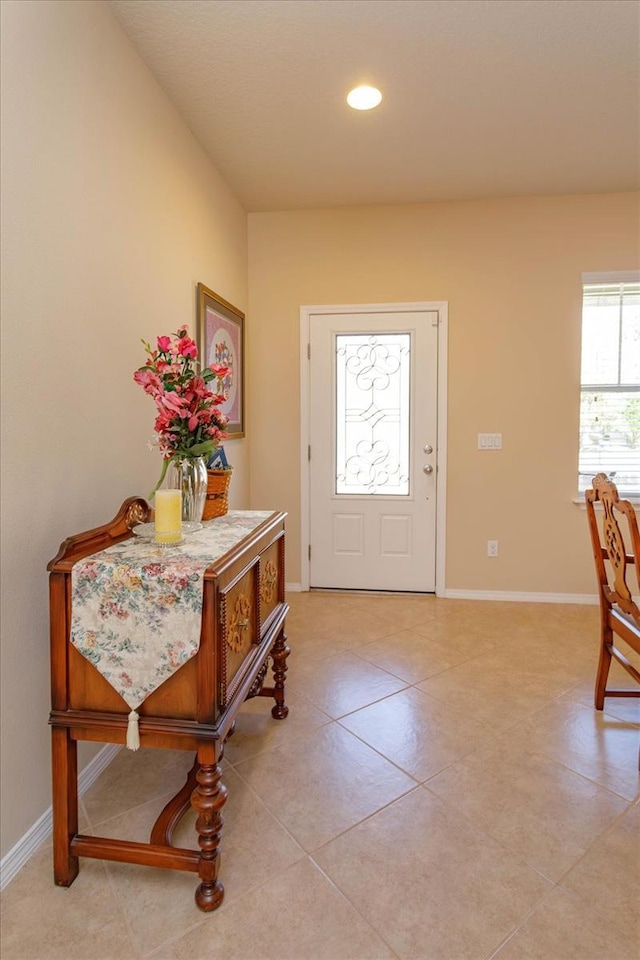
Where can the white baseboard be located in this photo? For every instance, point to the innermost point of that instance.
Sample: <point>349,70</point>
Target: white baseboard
<point>16,858</point>
<point>518,597</point>
<point>508,595</point>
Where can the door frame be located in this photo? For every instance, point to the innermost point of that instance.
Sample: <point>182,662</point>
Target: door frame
<point>306,312</point>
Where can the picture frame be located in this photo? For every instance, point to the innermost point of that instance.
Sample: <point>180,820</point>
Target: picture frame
<point>220,339</point>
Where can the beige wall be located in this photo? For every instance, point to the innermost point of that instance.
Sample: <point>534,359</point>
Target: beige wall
<point>510,271</point>
<point>111,215</point>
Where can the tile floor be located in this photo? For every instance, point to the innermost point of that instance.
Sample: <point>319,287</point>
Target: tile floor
<point>441,790</point>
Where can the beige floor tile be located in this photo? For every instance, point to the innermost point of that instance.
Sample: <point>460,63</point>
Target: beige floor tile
<point>342,626</point>
<point>254,845</point>
<point>402,612</point>
<point>329,624</point>
<point>321,600</point>
<point>413,657</point>
<point>256,730</point>
<point>466,634</point>
<point>159,904</point>
<point>156,904</point>
<point>626,709</point>
<point>134,777</point>
<point>307,646</point>
<point>43,922</point>
<point>578,618</point>
<point>419,734</point>
<point>547,657</point>
<point>429,882</point>
<point>446,877</point>
<point>493,691</point>
<point>299,915</point>
<point>586,740</point>
<point>344,683</point>
<point>607,878</point>
<point>323,783</point>
<point>540,810</point>
<point>564,928</point>
<point>473,609</point>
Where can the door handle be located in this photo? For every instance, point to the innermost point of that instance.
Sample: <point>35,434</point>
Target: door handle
<point>427,468</point>
<point>428,448</point>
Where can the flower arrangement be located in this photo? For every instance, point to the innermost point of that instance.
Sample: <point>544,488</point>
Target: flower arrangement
<point>189,421</point>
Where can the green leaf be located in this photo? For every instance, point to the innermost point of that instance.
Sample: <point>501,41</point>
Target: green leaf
<point>198,449</point>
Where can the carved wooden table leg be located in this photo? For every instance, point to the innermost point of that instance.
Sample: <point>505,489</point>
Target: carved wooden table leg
<point>65,805</point>
<point>279,653</point>
<point>207,800</point>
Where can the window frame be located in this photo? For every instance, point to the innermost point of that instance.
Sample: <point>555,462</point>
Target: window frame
<point>617,278</point>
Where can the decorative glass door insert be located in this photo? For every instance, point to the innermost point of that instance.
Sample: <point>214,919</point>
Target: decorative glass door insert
<point>373,391</point>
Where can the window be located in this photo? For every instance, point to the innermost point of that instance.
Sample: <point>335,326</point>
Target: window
<point>372,413</point>
<point>610,385</point>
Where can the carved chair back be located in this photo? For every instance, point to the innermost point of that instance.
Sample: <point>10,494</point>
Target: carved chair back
<point>612,547</point>
<point>615,557</point>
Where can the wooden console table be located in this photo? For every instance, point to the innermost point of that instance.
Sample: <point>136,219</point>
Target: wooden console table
<point>243,629</point>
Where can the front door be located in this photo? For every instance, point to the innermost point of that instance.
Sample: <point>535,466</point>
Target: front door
<point>373,446</point>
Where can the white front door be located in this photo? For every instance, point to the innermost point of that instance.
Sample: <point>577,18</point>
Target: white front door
<point>373,392</point>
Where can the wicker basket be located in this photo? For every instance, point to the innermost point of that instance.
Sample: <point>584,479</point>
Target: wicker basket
<point>217,502</point>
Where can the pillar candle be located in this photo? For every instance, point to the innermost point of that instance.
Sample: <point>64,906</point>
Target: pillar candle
<point>168,520</point>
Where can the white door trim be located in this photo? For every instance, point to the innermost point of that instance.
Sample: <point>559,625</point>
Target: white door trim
<point>306,313</point>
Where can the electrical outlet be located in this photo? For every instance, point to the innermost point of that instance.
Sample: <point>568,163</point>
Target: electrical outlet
<point>492,548</point>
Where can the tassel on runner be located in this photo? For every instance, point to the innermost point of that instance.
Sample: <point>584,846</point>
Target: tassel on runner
<point>133,734</point>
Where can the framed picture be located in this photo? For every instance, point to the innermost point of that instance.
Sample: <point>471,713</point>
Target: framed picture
<point>221,340</point>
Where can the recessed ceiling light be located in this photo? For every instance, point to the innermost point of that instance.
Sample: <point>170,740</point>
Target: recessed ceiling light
<point>364,98</point>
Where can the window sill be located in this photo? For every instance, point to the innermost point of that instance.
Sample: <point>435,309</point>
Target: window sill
<point>580,502</point>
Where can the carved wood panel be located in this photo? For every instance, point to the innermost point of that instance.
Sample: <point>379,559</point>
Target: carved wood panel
<point>240,628</point>
<point>271,580</point>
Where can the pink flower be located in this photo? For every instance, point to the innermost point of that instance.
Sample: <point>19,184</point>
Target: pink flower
<point>171,401</point>
<point>199,388</point>
<point>148,380</point>
<point>221,370</point>
<point>188,413</point>
<point>187,348</point>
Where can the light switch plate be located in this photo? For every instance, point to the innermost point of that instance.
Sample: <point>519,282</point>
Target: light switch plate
<point>489,441</point>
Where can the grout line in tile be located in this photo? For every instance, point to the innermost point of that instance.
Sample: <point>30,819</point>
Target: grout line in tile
<point>348,899</point>
<point>158,951</point>
<point>556,882</point>
<point>346,830</point>
<point>266,806</point>
<point>397,765</point>
<point>166,796</point>
<point>122,911</point>
<point>598,839</point>
<point>366,818</point>
<point>570,694</point>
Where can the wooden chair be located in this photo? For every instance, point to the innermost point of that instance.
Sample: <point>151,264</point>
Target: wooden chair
<point>619,612</point>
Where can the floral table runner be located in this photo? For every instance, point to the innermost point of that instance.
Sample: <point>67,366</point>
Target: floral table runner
<point>137,608</point>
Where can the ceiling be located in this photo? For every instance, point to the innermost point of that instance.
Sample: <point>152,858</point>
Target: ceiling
<point>482,98</point>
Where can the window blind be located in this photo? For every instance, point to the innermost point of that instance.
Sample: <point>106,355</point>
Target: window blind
<point>610,385</point>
